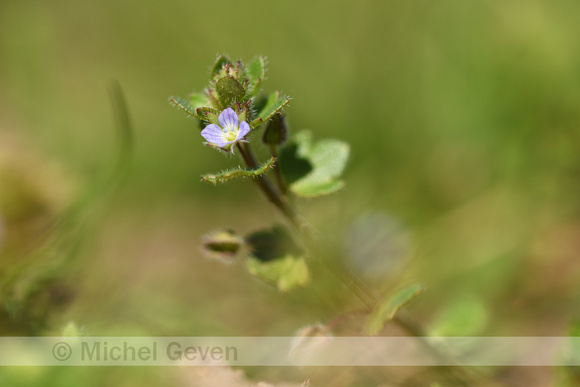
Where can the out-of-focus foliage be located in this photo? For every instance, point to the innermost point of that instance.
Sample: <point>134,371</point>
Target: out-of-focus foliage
<point>463,120</point>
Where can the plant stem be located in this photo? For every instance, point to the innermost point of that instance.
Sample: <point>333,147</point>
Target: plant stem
<point>266,186</point>
<point>279,178</point>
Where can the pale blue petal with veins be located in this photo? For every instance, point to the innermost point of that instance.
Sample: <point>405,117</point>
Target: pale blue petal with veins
<point>229,131</point>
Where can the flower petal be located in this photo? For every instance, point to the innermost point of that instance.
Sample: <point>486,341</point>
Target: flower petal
<point>214,134</point>
<point>244,129</point>
<point>228,119</point>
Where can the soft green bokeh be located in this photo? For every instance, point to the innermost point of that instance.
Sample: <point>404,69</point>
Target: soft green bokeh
<point>463,119</point>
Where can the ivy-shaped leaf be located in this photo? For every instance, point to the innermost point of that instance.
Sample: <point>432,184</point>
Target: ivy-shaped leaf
<point>327,159</point>
<point>286,273</point>
<point>386,309</point>
<point>275,258</point>
<point>229,174</point>
<point>272,244</point>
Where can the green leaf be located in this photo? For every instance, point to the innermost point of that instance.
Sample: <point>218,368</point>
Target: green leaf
<point>214,100</point>
<point>256,72</point>
<point>230,91</point>
<point>220,61</point>
<point>272,244</point>
<point>226,175</point>
<point>197,100</point>
<point>318,189</point>
<point>275,258</point>
<point>293,166</point>
<point>386,309</point>
<point>464,316</point>
<point>208,114</point>
<point>274,104</point>
<point>286,273</point>
<point>183,105</point>
<point>327,159</point>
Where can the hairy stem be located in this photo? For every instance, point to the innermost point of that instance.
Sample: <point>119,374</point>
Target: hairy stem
<point>266,186</point>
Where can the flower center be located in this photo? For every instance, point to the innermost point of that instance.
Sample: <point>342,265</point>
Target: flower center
<point>230,133</point>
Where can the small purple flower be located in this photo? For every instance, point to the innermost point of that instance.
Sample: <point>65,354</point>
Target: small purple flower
<point>229,131</point>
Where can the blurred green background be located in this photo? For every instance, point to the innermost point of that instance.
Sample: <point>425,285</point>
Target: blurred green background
<point>463,117</point>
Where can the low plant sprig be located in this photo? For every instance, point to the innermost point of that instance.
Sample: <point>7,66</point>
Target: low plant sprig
<point>234,115</point>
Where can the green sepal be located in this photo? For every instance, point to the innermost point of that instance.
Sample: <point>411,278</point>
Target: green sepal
<point>274,104</point>
<point>255,72</point>
<point>229,174</point>
<point>220,61</point>
<point>183,105</point>
<point>212,117</point>
<point>286,273</point>
<point>243,116</point>
<point>386,309</point>
<point>325,162</point>
<point>214,100</point>
<point>242,110</point>
<point>229,91</point>
<point>208,114</point>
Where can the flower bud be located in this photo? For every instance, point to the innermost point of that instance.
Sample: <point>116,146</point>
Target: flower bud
<point>223,245</point>
<point>276,132</point>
